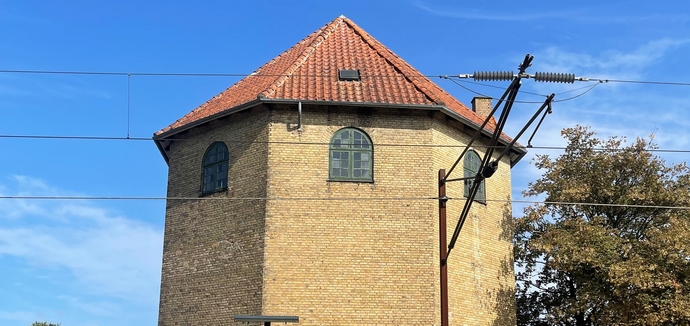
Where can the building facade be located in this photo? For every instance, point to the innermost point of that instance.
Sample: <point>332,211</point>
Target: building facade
<point>309,188</point>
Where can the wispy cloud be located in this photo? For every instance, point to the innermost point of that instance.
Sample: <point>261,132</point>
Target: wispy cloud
<point>580,15</point>
<point>99,308</point>
<point>20,316</point>
<point>612,64</point>
<point>483,15</point>
<point>68,91</point>
<point>612,109</point>
<point>105,255</point>
<point>65,87</point>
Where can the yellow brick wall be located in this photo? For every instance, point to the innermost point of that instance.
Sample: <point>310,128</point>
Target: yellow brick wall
<point>375,262</point>
<point>357,258</point>
<point>213,248</point>
<point>481,283</point>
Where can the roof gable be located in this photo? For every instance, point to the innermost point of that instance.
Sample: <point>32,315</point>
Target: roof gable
<point>309,72</point>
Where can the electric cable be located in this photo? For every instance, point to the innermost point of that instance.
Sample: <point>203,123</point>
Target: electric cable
<point>492,86</point>
<point>182,74</point>
<point>57,137</point>
<point>649,82</point>
<point>176,74</point>
<point>421,198</point>
<point>589,88</point>
<point>461,80</point>
<point>491,97</point>
<point>578,95</point>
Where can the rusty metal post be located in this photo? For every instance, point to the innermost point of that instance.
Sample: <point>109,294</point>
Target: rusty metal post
<point>442,199</point>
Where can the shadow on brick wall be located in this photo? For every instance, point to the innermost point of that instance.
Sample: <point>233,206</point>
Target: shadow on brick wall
<point>504,296</point>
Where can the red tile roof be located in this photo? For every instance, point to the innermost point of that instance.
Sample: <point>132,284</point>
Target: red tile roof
<point>309,72</point>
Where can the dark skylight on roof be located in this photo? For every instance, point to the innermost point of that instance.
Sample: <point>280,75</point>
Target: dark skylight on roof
<point>348,75</point>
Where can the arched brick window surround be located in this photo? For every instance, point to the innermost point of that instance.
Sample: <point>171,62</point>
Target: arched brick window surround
<point>471,166</point>
<point>215,169</point>
<point>350,156</point>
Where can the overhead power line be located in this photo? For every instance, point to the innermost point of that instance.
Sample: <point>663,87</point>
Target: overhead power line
<point>194,74</point>
<point>420,198</point>
<point>182,74</point>
<point>57,137</point>
<point>588,88</point>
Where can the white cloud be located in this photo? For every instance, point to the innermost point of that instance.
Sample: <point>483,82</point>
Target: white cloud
<point>24,317</point>
<point>106,254</point>
<point>610,64</point>
<point>580,15</point>
<point>483,15</point>
<point>99,308</point>
<point>616,109</point>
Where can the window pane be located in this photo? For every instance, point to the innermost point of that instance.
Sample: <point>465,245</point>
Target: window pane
<point>345,138</point>
<point>357,140</point>
<point>339,164</point>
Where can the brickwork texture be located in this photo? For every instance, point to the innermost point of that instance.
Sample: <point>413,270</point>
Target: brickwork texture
<point>365,253</point>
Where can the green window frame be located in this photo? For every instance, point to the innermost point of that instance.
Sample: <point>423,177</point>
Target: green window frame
<point>472,163</point>
<point>350,156</point>
<point>214,173</point>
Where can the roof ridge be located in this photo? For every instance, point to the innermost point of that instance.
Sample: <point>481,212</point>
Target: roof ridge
<point>433,92</point>
<point>327,49</point>
<point>318,39</point>
<point>405,68</point>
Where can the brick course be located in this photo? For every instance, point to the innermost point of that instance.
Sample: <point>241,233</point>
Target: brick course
<point>364,261</point>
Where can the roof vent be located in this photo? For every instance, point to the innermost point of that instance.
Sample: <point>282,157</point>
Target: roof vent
<point>348,75</point>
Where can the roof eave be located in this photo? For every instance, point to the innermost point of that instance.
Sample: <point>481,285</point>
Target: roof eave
<point>518,151</point>
<point>158,138</point>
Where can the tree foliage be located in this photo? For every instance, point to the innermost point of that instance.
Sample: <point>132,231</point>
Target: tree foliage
<point>620,263</point>
<point>44,323</point>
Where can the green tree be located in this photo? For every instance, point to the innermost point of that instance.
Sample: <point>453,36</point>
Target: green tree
<point>624,262</point>
<point>44,323</point>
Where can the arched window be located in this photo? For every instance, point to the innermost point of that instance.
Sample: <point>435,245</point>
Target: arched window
<point>350,156</point>
<point>472,164</point>
<point>215,168</point>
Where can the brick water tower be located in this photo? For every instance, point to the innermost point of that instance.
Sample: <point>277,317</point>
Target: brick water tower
<point>308,188</point>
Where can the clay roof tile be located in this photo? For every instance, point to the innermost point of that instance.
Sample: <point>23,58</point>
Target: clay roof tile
<point>309,71</point>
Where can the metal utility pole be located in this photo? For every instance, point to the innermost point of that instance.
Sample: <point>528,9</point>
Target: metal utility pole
<point>488,166</point>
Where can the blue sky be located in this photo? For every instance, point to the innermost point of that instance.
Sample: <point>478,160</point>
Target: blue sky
<point>98,262</point>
